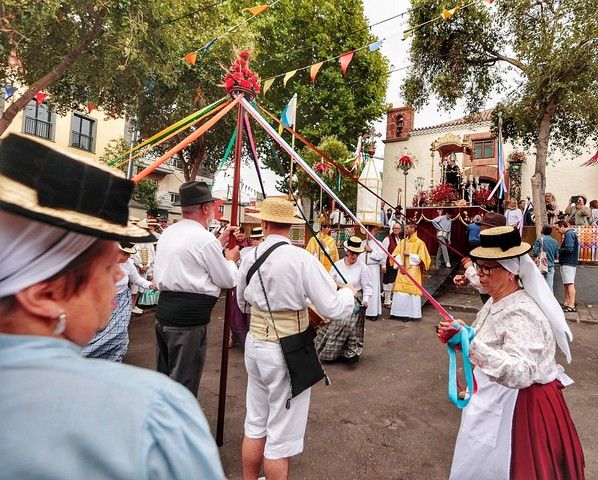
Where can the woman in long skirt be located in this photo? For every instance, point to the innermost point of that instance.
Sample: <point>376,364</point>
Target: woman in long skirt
<point>343,339</point>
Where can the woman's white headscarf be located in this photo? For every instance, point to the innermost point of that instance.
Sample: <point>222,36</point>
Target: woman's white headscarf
<point>537,288</point>
<point>31,252</point>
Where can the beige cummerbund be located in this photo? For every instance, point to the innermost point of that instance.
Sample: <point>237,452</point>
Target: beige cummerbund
<point>288,322</point>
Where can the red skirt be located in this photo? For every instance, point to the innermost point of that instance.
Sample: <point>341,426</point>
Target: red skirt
<point>544,442</point>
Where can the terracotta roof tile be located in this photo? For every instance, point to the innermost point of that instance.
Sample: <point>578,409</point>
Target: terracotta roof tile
<point>483,116</point>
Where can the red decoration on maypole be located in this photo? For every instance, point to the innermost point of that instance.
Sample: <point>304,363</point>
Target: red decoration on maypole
<point>239,77</point>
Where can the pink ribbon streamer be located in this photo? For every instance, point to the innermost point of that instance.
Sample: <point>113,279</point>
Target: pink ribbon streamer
<point>270,130</point>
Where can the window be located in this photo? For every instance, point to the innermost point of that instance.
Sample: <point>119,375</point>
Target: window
<point>483,149</point>
<point>38,120</point>
<point>174,197</point>
<point>82,132</point>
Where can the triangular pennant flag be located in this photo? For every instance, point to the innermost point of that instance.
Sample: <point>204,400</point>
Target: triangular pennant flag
<point>489,2</point>
<point>375,46</point>
<point>257,9</point>
<point>313,71</point>
<point>10,91</point>
<point>267,84</point>
<point>446,14</point>
<point>288,76</point>
<point>40,97</point>
<point>190,58</point>
<point>345,60</point>
<point>208,45</point>
<point>407,33</point>
<point>91,107</point>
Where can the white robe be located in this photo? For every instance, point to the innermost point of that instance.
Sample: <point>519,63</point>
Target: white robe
<point>374,260</point>
<point>405,304</point>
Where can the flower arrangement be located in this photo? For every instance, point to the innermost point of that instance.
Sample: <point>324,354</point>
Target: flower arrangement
<point>517,156</point>
<point>405,163</point>
<point>442,194</point>
<point>322,169</point>
<point>480,197</point>
<point>239,75</point>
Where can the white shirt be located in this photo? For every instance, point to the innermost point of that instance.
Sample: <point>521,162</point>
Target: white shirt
<point>190,259</point>
<point>376,257</point>
<point>293,280</point>
<point>513,216</point>
<point>357,275</point>
<point>131,275</point>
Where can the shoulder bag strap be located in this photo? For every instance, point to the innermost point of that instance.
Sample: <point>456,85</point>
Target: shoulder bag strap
<point>261,260</point>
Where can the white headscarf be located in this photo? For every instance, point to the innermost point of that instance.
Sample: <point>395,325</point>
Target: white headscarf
<point>31,252</point>
<point>537,288</point>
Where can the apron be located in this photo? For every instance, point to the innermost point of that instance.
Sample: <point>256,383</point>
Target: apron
<point>483,447</point>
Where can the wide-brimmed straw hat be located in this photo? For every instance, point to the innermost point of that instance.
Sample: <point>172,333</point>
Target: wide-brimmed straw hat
<point>499,243</point>
<point>257,233</point>
<point>278,210</point>
<point>76,194</point>
<point>353,244</point>
<point>127,248</point>
<point>371,223</point>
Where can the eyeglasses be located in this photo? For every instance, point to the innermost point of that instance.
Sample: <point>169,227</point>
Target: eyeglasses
<point>485,269</point>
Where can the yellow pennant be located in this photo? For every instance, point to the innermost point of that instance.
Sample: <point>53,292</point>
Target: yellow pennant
<point>288,76</point>
<point>446,14</point>
<point>190,58</point>
<point>267,84</point>
<point>313,71</point>
<point>407,33</point>
<point>257,9</point>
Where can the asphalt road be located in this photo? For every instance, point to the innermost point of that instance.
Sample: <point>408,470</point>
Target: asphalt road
<point>387,417</point>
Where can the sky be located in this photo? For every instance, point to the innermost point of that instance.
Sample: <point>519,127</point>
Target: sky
<point>396,50</point>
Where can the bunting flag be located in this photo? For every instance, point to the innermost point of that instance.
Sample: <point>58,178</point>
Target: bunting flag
<point>446,14</point>
<point>91,107</point>
<point>375,46</point>
<point>208,45</point>
<point>267,84</point>
<point>10,91</point>
<point>40,97</point>
<point>501,185</point>
<point>358,156</point>
<point>345,60</point>
<point>257,9</point>
<point>489,2</point>
<point>191,58</point>
<point>592,161</point>
<point>407,33</point>
<point>313,71</point>
<point>288,76</point>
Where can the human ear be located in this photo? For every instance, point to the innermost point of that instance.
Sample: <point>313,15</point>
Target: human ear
<point>44,299</point>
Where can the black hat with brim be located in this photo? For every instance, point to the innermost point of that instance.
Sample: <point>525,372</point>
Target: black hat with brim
<point>195,193</point>
<point>77,194</point>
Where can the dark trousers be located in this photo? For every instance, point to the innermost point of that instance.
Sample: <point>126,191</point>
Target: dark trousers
<point>181,353</point>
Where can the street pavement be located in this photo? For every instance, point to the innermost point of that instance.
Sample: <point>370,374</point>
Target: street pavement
<point>387,417</point>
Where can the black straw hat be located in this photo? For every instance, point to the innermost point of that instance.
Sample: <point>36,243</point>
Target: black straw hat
<point>76,194</point>
<point>195,193</point>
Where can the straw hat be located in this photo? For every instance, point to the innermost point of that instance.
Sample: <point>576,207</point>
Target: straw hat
<point>76,194</point>
<point>499,243</point>
<point>278,210</point>
<point>134,220</point>
<point>353,244</point>
<point>371,223</point>
<point>257,233</point>
<point>127,248</point>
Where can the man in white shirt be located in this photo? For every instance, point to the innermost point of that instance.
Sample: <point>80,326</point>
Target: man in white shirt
<point>374,257</point>
<point>279,292</point>
<point>190,269</point>
<point>443,224</point>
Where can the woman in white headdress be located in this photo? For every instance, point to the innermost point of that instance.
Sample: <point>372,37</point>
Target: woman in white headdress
<point>517,425</point>
<point>64,416</point>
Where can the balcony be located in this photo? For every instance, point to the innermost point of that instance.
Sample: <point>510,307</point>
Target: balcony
<point>39,128</point>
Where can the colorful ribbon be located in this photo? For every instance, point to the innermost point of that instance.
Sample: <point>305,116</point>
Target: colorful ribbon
<point>462,341</point>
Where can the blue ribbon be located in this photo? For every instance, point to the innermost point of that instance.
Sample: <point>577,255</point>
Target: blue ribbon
<point>463,340</point>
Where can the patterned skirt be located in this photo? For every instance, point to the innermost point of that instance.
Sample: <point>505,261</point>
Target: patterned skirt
<point>342,338</point>
<point>112,342</point>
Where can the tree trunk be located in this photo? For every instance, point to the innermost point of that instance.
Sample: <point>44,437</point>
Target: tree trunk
<point>538,180</point>
<point>11,112</point>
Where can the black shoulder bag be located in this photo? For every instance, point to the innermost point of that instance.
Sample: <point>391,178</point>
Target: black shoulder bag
<point>299,351</point>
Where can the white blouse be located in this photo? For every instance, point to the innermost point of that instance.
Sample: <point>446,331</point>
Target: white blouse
<point>514,344</point>
<point>357,275</point>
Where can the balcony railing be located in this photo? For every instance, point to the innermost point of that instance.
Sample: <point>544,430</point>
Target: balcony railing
<point>37,127</point>
<point>84,142</point>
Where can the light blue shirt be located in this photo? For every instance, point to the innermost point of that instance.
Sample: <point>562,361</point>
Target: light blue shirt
<point>67,417</point>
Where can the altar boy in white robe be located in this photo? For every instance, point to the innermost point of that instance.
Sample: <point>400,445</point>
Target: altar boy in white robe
<point>374,257</point>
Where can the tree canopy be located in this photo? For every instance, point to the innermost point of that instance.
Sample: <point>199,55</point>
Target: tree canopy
<point>547,48</point>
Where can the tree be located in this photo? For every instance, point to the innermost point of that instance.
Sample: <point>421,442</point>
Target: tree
<point>88,51</point>
<point>548,47</point>
<point>336,150</point>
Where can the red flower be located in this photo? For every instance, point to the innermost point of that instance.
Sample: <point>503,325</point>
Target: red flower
<point>244,54</point>
<point>239,74</point>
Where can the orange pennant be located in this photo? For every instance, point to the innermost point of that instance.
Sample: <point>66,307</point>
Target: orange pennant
<point>446,14</point>
<point>313,71</point>
<point>345,60</point>
<point>190,58</point>
<point>257,9</point>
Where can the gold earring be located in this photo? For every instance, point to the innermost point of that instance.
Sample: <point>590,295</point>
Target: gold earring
<point>61,325</point>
